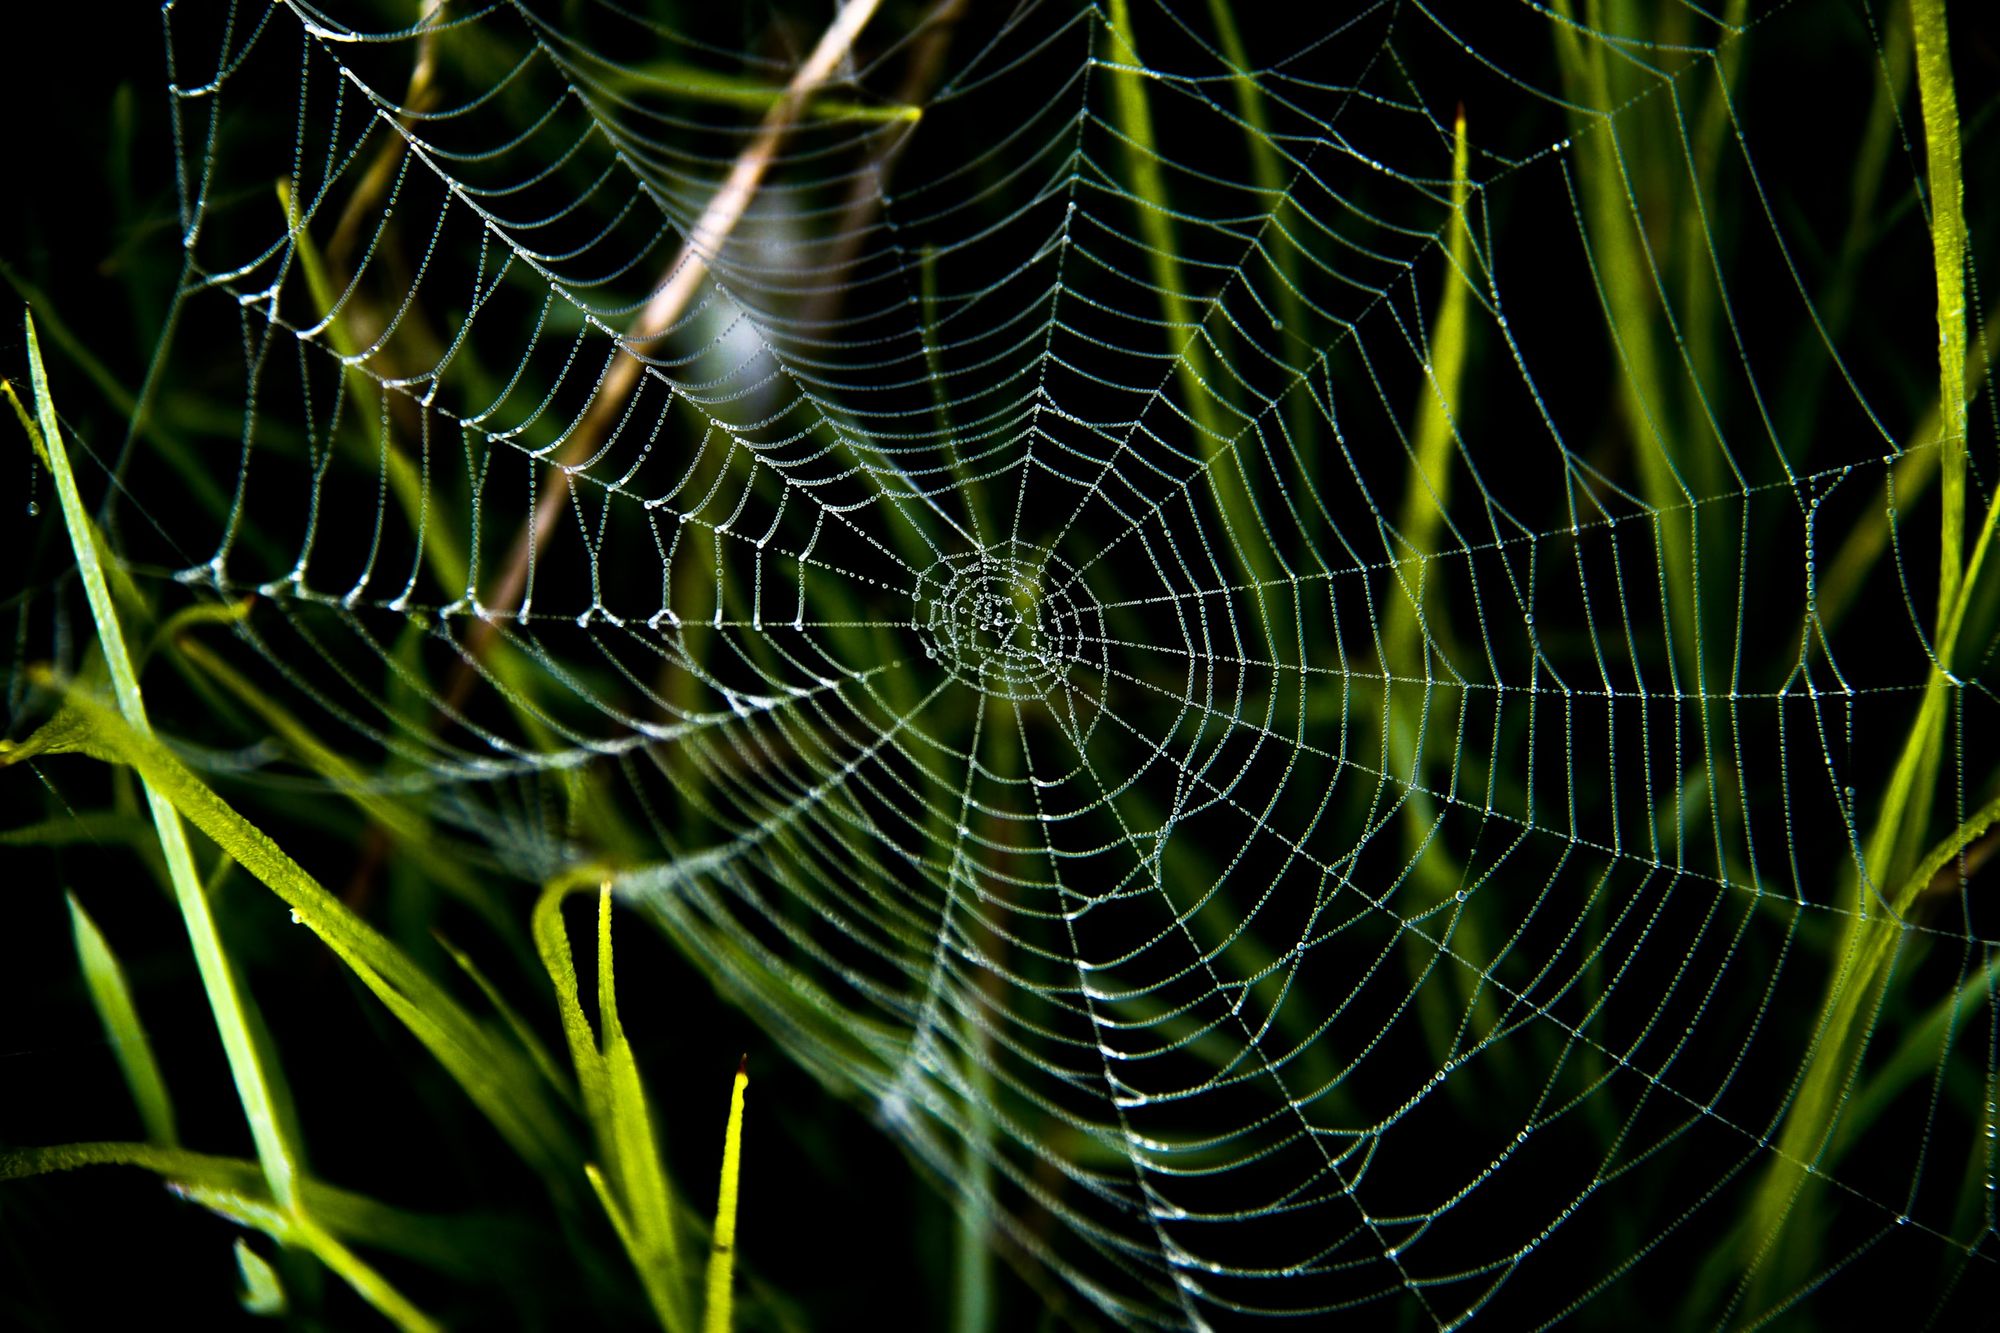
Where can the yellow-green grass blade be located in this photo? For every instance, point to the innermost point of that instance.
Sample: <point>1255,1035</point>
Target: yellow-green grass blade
<point>291,1227</point>
<point>642,1180</point>
<point>1891,882</point>
<point>552,943</point>
<point>530,1040</point>
<point>1621,268</point>
<point>262,1294</point>
<point>492,1072</point>
<point>719,1316</point>
<point>1938,96</point>
<point>1268,169</point>
<point>124,591</point>
<point>724,89</point>
<point>630,1183</point>
<point>111,996</point>
<point>253,1080</point>
<point>461,1246</point>
<point>1409,630</point>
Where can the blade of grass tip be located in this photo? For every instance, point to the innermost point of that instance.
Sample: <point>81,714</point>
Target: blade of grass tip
<point>262,1293</point>
<point>112,998</point>
<point>642,1180</point>
<point>1408,627</point>
<point>253,1080</point>
<point>720,1314</point>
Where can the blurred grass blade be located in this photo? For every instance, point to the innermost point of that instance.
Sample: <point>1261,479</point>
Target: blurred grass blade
<point>1185,330</point>
<point>714,86</point>
<point>262,1293</point>
<point>530,1040</point>
<point>722,1256</point>
<point>461,1245</point>
<point>253,1080</point>
<point>112,998</point>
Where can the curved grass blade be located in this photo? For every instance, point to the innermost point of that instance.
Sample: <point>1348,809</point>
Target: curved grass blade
<point>632,1183</point>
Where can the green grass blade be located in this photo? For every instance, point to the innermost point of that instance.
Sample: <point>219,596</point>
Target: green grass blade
<point>1938,96</point>
<point>124,591</point>
<point>463,1246</point>
<point>112,998</point>
<point>492,1072</point>
<point>642,1180</point>
<point>552,943</point>
<point>631,1184</point>
<point>722,1256</point>
<point>530,1040</point>
<point>263,1294</point>
<point>1873,937</point>
<point>253,1080</point>
<point>1226,477</point>
<point>291,1227</point>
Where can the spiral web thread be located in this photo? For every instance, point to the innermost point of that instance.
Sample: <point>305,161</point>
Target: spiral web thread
<point>1271,829</point>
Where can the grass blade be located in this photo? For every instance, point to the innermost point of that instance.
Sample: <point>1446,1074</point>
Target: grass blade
<point>642,1180</point>
<point>464,1246</point>
<point>1937,93</point>
<point>1873,937</point>
<point>112,998</point>
<point>631,1184</point>
<point>262,1293</point>
<point>722,1256</point>
<point>253,1080</point>
<point>492,1072</point>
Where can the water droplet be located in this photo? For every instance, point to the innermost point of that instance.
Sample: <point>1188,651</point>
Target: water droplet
<point>1460,895</point>
<point>34,509</point>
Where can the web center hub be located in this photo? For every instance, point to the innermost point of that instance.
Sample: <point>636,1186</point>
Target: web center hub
<point>1010,624</point>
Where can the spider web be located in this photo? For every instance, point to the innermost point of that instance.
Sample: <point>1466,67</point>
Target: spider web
<point>1278,811</point>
